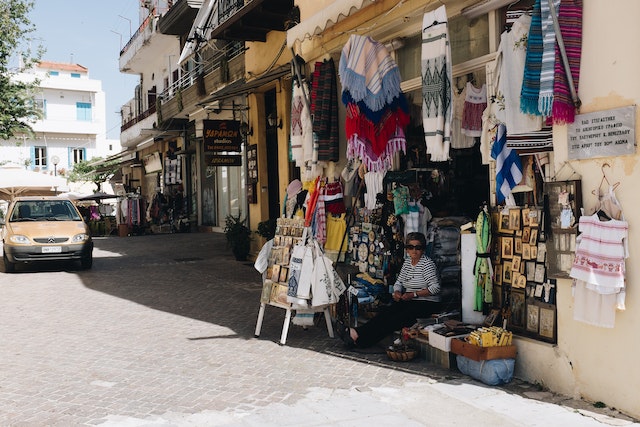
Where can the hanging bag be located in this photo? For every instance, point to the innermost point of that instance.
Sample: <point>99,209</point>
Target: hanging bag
<point>300,270</point>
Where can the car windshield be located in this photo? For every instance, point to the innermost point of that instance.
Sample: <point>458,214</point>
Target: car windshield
<point>44,210</point>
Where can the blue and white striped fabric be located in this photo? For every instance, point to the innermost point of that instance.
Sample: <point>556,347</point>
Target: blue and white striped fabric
<point>508,166</point>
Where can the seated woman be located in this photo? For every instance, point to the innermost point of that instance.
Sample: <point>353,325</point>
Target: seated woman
<point>415,296</point>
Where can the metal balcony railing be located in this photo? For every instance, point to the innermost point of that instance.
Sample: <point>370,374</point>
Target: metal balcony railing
<point>226,9</point>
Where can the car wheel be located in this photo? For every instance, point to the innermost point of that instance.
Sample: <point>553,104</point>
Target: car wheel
<point>9,267</point>
<point>87,262</point>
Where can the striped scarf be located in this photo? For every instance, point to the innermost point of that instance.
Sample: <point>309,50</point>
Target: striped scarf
<point>570,20</point>
<point>531,82</point>
<point>508,165</point>
<point>548,57</point>
<point>324,107</point>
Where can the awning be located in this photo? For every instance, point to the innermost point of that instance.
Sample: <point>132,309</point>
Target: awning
<point>240,87</point>
<point>326,18</point>
<point>200,30</point>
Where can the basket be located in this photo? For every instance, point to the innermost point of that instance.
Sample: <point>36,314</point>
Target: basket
<point>402,355</point>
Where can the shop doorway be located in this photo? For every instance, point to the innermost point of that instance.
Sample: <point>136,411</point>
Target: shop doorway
<point>273,167</point>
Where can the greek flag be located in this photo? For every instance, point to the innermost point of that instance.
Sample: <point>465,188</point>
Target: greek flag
<point>508,166</point>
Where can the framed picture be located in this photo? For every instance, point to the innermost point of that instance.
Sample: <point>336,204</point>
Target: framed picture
<point>497,274</point>
<point>284,274</point>
<point>530,270</point>
<point>522,281</point>
<point>514,219</point>
<point>534,252</point>
<point>275,273</point>
<point>538,291</point>
<point>503,224</point>
<point>266,291</point>
<point>539,273</point>
<point>547,322</point>
<point>534,236</point>
<point>514,277</point>
<point>542,252</point>
<point>518,245</point>
<point>506,272</point>
<point>533,318</point>
<point>526,251</point>
<point>534,217</point>
<point>517,308</point>
<point>515,263</point>
<point>526,234</point>
<point>507,247</point>
<point>525,217</point>
<point>491,318</point>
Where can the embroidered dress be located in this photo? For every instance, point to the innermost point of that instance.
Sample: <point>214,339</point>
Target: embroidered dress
<point>436,84</point>
<point>475,103</point>
<point>599,270</point>
<point>458,139</point>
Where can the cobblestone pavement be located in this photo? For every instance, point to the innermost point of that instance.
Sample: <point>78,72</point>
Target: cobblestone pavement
<point>161,332</point>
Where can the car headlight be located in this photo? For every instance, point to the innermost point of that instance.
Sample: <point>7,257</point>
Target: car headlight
<point>79,238</point>
<point>18,238</point>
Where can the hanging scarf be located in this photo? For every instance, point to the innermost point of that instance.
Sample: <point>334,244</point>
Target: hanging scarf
<point>377,133</point>
<point>436,87</point>
<point>301,126</point>
<point>570,20</point>
<point>368,72</point>
<point>531,82</point>
<point>548,58</point>
<point>358,148</point>
<point>482,270</point>
<point>324,107</point>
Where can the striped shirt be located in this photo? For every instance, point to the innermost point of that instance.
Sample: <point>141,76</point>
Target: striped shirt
<point>424,275</point>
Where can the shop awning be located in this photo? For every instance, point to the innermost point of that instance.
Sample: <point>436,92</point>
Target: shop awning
<point>200,30</point>
<point>326,18</point>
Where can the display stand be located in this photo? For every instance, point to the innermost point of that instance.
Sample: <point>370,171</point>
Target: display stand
<point>287,320</point>
<point>289,232</point>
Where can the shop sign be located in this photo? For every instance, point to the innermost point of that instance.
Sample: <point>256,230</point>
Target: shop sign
<point>603,134</point>
<point>152,163</point>
<point>224,160</point>
<point>221,135</point>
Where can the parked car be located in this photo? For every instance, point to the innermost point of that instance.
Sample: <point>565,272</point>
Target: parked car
<point>44,228</point>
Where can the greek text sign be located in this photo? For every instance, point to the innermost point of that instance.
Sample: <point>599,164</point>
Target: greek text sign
<point>603,134</point>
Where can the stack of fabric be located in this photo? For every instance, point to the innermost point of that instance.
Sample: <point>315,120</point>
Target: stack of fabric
<point>377,111</point>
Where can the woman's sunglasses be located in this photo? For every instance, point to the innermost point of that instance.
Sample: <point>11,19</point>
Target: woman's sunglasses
<point>412,247</point>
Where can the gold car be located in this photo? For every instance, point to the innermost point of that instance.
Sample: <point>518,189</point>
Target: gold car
<point>44,229</point>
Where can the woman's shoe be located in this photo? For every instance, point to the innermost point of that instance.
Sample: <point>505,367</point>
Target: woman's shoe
<point>346,338</point>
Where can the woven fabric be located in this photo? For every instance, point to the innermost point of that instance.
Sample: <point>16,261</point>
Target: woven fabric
<point>301,126</point>
<point>508,166</point>
<point>570,20</point>
<point>324,108</point>
<point>436,84</point>
<point>547,69</point>
<point>533,62</point>
<point>377,133</point>
<point>368,72</point>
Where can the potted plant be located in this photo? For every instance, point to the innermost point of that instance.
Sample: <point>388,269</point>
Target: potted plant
<point>238,236</point>
<point>267,229</point>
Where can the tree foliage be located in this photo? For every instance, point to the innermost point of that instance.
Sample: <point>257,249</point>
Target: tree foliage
<point>93,171</point>
<point>17,106</point>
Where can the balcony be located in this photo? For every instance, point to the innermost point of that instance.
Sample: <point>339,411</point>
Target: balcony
<point>145,47</point>
<point>251,20</point>
<point>132,131</point>
<point>179,18</point>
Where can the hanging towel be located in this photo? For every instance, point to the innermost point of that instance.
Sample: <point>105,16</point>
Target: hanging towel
<point>547,71</point>
<point>324,108</point>
<point>531,82</point>
<point>301,126</point>
<point>436,84</point>
<point>368,72</point>
<point>570,21</point>
<point>508,166</point>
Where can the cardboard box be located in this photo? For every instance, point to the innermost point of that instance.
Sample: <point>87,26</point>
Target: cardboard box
<point>477,353</point>
<point>440,341</point>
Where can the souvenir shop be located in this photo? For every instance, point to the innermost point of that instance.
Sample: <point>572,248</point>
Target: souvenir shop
<point>462,157</point>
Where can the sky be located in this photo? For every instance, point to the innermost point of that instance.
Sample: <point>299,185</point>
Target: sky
<point>90,33</point>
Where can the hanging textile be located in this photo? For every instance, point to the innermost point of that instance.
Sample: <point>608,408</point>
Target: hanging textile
<point>459,139</point>
<point>508,166</point>
<point>547,70</point>
<point>533,61</point>
<point>377,111</point>
<point>436,84</point>
<point>474,105</point>
<point>324,108</point>
<point>482,270</point>
<point>570,21</point>
<point>301,126</point>
<point>510,62</point>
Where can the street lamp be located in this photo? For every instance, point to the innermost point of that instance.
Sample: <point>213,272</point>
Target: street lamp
<point>55,160</point>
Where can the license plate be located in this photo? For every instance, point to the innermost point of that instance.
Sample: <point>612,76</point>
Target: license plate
<point>51,249</point>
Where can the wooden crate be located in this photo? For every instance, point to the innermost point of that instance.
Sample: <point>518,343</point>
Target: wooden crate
<point>477,353</point>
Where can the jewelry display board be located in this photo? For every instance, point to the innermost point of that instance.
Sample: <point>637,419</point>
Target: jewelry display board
<point>565,201</point>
